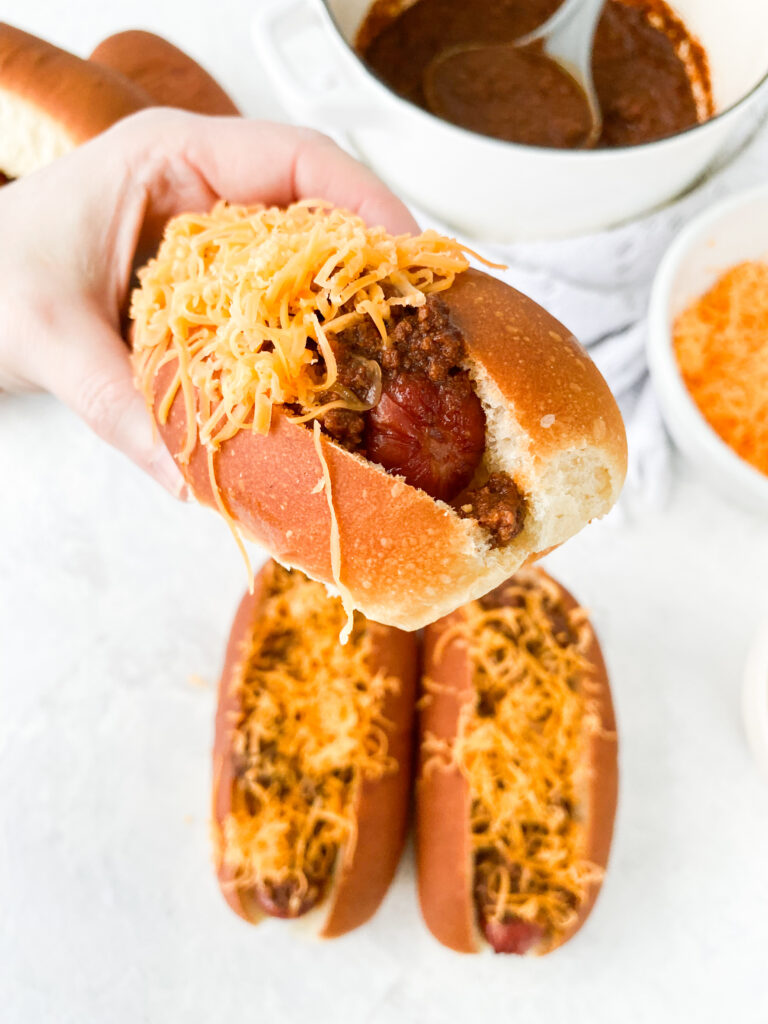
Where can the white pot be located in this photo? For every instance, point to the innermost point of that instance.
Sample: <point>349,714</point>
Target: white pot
<point>500,191</point>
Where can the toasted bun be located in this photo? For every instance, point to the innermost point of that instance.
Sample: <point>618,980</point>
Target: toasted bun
<point>382,806</point>
<point>443,843</point>
<point>364,872</point>
<point>444,849</point>
<point>602,794</point>
<point>51,101</point>
<point>406,558</point>
<point>164,71</point>
<point>227,711</point>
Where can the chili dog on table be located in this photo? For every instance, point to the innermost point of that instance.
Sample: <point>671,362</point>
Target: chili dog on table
<point>311,757</point>
<point>375,413</point>
<point>517,785</point>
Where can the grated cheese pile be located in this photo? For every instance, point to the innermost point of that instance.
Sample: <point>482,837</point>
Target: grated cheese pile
<point>248,298</point>
<point>310,731</point>
<point>721,344</point>
<point>522,745</point>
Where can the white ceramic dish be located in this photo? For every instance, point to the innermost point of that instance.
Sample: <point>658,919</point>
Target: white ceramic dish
<point>500,191</point>
<point>755,698</point>
<point>733,230</point>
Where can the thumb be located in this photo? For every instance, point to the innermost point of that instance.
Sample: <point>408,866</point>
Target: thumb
<point>90,371</point>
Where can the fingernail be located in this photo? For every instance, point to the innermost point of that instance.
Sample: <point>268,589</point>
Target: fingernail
<point>164,469</point>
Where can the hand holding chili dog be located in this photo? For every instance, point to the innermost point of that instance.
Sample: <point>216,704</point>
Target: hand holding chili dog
<point>73,232</point>
<point>369,407</point>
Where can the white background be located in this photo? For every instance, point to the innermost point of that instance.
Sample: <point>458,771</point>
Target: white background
<point>115,603</point>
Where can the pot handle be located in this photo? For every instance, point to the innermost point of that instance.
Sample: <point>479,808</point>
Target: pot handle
<point>301,58</point>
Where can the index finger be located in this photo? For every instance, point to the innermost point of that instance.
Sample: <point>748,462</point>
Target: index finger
<point>188,160</point>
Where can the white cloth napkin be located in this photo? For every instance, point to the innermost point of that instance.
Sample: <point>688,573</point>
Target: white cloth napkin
<point>599,286</point>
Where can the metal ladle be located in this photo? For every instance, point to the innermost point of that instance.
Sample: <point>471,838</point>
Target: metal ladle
<point>567,39</point>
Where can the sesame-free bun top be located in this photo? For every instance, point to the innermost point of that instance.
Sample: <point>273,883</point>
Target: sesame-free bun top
<point>51,101</point>
<point>406,558</point>
<point>164,71</point>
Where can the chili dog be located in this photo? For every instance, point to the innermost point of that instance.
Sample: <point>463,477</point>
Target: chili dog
<point>51,101</point>
<point>163,71</point>
<point>368,408</point>
<point>517,785</point>
<point>311,757</point>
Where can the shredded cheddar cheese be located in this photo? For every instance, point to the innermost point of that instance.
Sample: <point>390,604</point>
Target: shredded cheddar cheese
<point>309,731</point>
<point>521,745</point>
<point>721,344</point>
<point>246,299</point>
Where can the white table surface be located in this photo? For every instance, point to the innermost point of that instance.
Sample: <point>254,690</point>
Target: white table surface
<point>115,603</point>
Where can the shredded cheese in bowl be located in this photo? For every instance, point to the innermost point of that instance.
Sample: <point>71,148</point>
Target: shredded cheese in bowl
<point>721,345</point>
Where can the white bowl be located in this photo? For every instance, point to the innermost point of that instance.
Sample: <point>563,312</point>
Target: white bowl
<point>755,698</point>
<point>500,191</point>
<point>729,232</point>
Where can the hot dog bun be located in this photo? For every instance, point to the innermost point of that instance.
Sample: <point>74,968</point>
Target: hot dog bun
<point>51,101</point>
<point>164,71</point>
<point>446,848</point>
<point>367,861</point>
<point>551,423</point>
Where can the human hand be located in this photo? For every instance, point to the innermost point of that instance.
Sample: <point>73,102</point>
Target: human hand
<point>72,233</point>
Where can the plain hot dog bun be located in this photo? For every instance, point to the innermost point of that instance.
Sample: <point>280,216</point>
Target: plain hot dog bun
<point>518,770</point>
<point>552,428</point>
<point>164,71</point>
<point>288,751</point>
<point>51,101</point>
